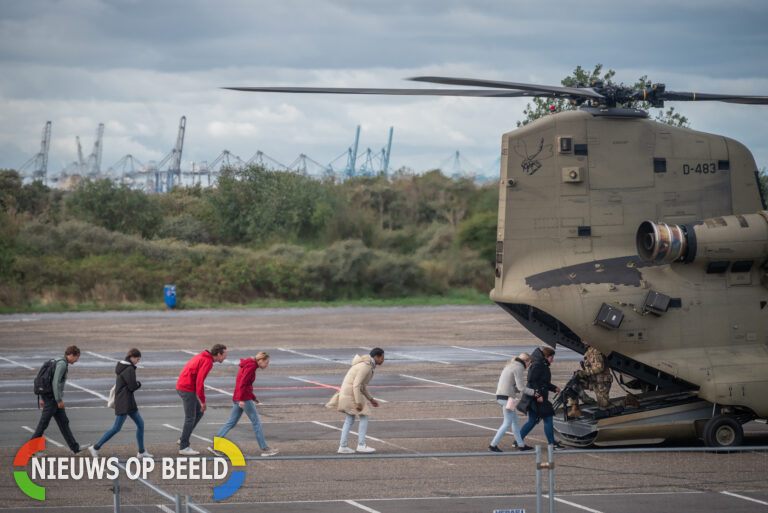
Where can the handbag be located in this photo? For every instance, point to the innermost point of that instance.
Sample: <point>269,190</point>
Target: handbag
<point>511,403</point>
<point>111,400</point>
<point>524,403</point>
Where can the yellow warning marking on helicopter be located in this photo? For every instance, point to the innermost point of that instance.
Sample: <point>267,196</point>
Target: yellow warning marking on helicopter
<point>643,94</point>
<point>694,96</point>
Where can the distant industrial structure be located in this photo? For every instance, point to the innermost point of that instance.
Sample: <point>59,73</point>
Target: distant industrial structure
<point>161,176</point>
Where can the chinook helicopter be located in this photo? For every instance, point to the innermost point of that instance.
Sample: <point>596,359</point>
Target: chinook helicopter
<point>649,241</point>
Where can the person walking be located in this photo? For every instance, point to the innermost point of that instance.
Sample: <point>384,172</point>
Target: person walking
<point>350,399</point>
<point>125,404</point>
<point>245,401</point>
<point>539,380</point>
<point>53,403</point>
<point>191,388</point>
<point>511,384</point>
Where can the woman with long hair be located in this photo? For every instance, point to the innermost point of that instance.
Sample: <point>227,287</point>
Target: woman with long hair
<point>511,386</point>
<point>125,403</point>
<point>540,380</point>
<point>245,401</point>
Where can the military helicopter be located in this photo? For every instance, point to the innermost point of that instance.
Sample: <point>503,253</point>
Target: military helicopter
<point>649,241</point>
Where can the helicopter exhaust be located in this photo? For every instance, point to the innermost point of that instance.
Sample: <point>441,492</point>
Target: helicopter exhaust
<point>719,239</point>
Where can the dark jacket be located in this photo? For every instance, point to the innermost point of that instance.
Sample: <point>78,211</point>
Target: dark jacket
<point>244,380</point>
<point>125,386</point>
<point>192,377</point>
<point>539,379</point>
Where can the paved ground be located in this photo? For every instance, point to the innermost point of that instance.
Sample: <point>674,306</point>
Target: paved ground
<point>437,389</point>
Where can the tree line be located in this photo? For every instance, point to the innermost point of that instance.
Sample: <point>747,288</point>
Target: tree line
<point>258,234</point>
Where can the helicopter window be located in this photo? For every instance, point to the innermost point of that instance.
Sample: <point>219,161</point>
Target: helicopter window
<point>723,165</point>
<point>579,149</point>
<point>565,144</point>
<point>742,266</point>
<point>585,231</point>
<point>717,267</point>
<point>659,165</point>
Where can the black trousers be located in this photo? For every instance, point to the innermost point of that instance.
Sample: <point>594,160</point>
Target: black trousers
<point>51,410</point>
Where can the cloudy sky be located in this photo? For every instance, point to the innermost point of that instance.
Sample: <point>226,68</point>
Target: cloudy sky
<point>138,66</point>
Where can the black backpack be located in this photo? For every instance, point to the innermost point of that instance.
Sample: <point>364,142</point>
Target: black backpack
<point>44,378</point>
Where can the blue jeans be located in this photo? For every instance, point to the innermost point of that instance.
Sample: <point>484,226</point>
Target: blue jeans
<point>510,419</point>
<point>533,419</point>
<point>360,432</point>
<point>119,420</point>
<point>237,412</point>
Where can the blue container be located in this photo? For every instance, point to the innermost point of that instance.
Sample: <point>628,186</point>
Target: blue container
<point>170,296</point>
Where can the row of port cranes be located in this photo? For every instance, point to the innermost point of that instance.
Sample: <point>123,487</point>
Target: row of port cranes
<point>160,176</point>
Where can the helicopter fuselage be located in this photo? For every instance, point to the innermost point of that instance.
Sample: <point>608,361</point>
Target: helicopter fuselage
<point>575,187</point>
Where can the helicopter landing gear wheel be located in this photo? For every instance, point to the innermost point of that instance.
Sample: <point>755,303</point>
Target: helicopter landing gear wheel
<point>723,431</point>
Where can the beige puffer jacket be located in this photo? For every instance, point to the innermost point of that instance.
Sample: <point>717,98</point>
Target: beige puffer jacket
<point>353,389</point>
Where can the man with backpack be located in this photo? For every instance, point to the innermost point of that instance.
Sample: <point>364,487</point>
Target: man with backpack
<point>49,385</point>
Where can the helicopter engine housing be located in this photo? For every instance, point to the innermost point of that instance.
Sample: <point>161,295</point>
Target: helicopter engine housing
<point>721,239</point>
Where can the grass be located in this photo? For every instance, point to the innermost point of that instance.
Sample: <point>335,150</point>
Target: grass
<point>456,297</point>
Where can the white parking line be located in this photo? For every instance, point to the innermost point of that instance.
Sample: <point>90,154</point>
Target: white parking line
<point>382,441</point>
<point>308,355</point>
<point>70,382</point>
<point>482,351</point>
<point>578,506</point>
<point>196,436</point>
<point>364,508</point>
<point>407,357</point>
<point>745,498</point>
<point>16,363</point>
<point>108,358</point>
<point>233,362</point>
<point>475,425</point>
<point>449,385</point>
<point>54,442</point>
<point>100,396</point>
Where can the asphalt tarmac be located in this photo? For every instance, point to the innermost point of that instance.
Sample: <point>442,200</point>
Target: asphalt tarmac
<point>437,394</point>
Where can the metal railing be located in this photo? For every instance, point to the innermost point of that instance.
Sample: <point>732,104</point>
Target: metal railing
<point>139,499</point>
<point>572,462</point>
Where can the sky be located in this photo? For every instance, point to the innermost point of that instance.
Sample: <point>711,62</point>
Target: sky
<point>138,66</point>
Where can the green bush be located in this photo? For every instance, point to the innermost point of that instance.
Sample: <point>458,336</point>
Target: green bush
<point>114,207</point>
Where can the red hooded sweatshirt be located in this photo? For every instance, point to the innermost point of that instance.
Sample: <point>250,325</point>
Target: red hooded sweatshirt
<point>192,377</point>
<point>244,381</point>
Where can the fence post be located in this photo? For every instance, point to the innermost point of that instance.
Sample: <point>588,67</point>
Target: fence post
<point>551,460</point>
<point>538,479</point>
<point>178,503</point>
<point>116,488</point>
<point>186,503</point>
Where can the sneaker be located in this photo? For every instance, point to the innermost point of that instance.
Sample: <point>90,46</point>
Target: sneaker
<point>269,451</point>
<point>216,453</point>
<point>557,446</point>
<point>188,451</point>
<point>94,452</point>
<point>143,454</point>
<point>494,448</point>
<point>365,448</point>
<point>345,450</point>
<point>178,442</point>
<point>81,448</point>
<point>525,448</point>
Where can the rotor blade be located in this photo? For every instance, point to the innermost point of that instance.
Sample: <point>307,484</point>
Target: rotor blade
<point>555,90</point>
<point>703,97</point>
<point>402,92</point>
